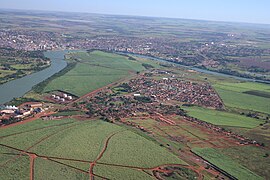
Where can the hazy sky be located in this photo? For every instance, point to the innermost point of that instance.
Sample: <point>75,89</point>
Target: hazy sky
<point>254,11</point>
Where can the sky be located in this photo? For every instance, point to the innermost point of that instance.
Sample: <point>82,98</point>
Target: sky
<point>251,11</point>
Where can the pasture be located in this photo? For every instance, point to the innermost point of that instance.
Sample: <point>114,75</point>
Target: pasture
<point>92,71</point>
<point>222,118</point>
<point>116,151</point>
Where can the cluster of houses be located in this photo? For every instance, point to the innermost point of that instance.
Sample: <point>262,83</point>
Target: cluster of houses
<point>167,89</point>
<point>117,107</point>
<point>20,112</point>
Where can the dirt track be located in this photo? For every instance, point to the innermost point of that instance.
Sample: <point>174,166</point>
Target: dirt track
<point>92,164</point>
<point>33,156</point>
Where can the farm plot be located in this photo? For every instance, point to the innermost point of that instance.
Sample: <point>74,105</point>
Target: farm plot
<point>245,95</point>
<point>53,170</point>
<point>128,142</point>
<point>184,134</point>
<point>121,173</point>
<point>32,126</point>
<point>222,118</point>
<point>18,169</point>
<point>226,163</point>
<point>92,71</point>
<point>79,150</point>
<point>254,158</point>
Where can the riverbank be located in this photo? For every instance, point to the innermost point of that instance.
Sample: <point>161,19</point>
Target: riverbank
<point>17,88</point>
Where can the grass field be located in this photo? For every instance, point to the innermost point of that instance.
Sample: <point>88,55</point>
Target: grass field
<point>61,139</point>
<point>69,113</point>
<point>254,158</point>
<point>121,173</point>
<point>238,95</point>
<point>222,118</point>
<point>19,169</point>
<point>125,143</point>
<point>56,171</point>
<point>94,70</point>
<point>31,126</point>
<point>226,164</point>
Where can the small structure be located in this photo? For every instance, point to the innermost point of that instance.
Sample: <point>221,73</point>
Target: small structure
<point>34,105</point>
<point>11,107</point>
<point>7,111</point>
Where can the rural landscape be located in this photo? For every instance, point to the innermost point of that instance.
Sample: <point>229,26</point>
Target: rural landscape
<point>88,96</point>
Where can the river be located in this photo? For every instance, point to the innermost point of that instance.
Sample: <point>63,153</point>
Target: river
<point>17,88</point>
<point>198,69</point>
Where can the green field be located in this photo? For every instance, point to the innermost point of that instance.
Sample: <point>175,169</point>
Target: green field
<point>238,95</point>
<point>56,171</point>
<point>19,169</point>
<point>69,113</point>
<point>94,70</point>
<point>254,158</point>
<point>125,143</point>
<point>61,139</point>
<point>226,163</point>
<point>222,118</point>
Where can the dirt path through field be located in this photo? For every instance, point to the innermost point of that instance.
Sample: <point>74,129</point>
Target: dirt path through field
<point>92,164</point>
<point>36,143</point>
<point>32,165</point>
<point>159,169</point>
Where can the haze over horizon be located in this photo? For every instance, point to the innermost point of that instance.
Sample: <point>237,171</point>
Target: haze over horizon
<point>249,11</point>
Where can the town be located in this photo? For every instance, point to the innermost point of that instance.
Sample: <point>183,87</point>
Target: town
<point>172,89</point>
<point>213,54</point>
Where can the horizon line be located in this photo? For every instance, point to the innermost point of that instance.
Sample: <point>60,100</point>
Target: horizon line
<point>130,15</point>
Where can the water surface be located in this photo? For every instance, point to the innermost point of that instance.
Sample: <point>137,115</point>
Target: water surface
<point>17,88</point>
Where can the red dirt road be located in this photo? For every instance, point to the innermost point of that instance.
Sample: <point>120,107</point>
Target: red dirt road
<point>92,164</point>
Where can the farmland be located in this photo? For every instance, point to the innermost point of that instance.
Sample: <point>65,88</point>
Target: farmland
<point>92,71</point>
<point>226,163</point>
<point>140,139</point>
<point>222,118</point>
<point>254,158</point>
<point>249,96</point>
<point>107,146</point>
